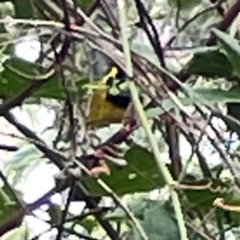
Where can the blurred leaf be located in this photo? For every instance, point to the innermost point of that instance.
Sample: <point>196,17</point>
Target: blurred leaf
<point>217,95</point>
<point>184,4</point>
<point>26,8</point>
<point>232,48</point>
<point>158,224</point>
<point>20,233</point>
<point>233,199</point>
<point>154,216</point>
<point>55,214</point>
<point>8,204</point>
<point>85,4</point>
<point>54,9</point>
<point>137,207</point>
<point>207,95</point>
<point>140,175</point>
<point>23,8</point>
<point>117,215</point>
<point>210,63</point>
<point>210,190</point>
<point>11,83</point>
<point>89,223</point>
<point>146,51</point>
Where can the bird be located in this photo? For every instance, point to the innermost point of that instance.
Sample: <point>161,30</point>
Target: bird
<point>110,101</point>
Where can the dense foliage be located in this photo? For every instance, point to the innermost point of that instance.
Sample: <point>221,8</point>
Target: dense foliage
<point>142,102</point>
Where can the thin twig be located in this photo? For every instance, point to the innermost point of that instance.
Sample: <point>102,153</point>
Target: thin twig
<point>65,212</point>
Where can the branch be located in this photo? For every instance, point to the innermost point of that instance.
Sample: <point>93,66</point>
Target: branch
<point>144,122</point>
<point>8,148</point>
<point>58,160</point>
<point>65,212</point>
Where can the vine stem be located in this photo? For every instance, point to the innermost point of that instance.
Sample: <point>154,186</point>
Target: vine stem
<point>144,122</point>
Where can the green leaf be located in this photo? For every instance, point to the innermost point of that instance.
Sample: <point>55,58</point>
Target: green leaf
<point>23,8</point>
<point>55,214</point>
<point>89,223</point>
<point>155,218</point>
<point>210,63</point>
<point>137,207</point>
<point>52,9</point>
<point>206,95</point>
<point>205,192</point>
<point>146,51</point>
<point>8,204</point>
<point>85,4</point>
<point>26,8</point>
<point>11,83</point>
<point>140,175</point>
<point>158,224</point>
<point>117,215</point>
<point>203,199</point>
<point>217,95</point>
<point>232,49</point>
<point>184,4</point>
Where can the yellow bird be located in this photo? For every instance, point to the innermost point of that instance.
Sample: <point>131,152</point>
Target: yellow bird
<point>109,102</point>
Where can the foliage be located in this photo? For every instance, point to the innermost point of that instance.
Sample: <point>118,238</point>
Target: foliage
<point>186,79</point>
<point>140,174</point>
